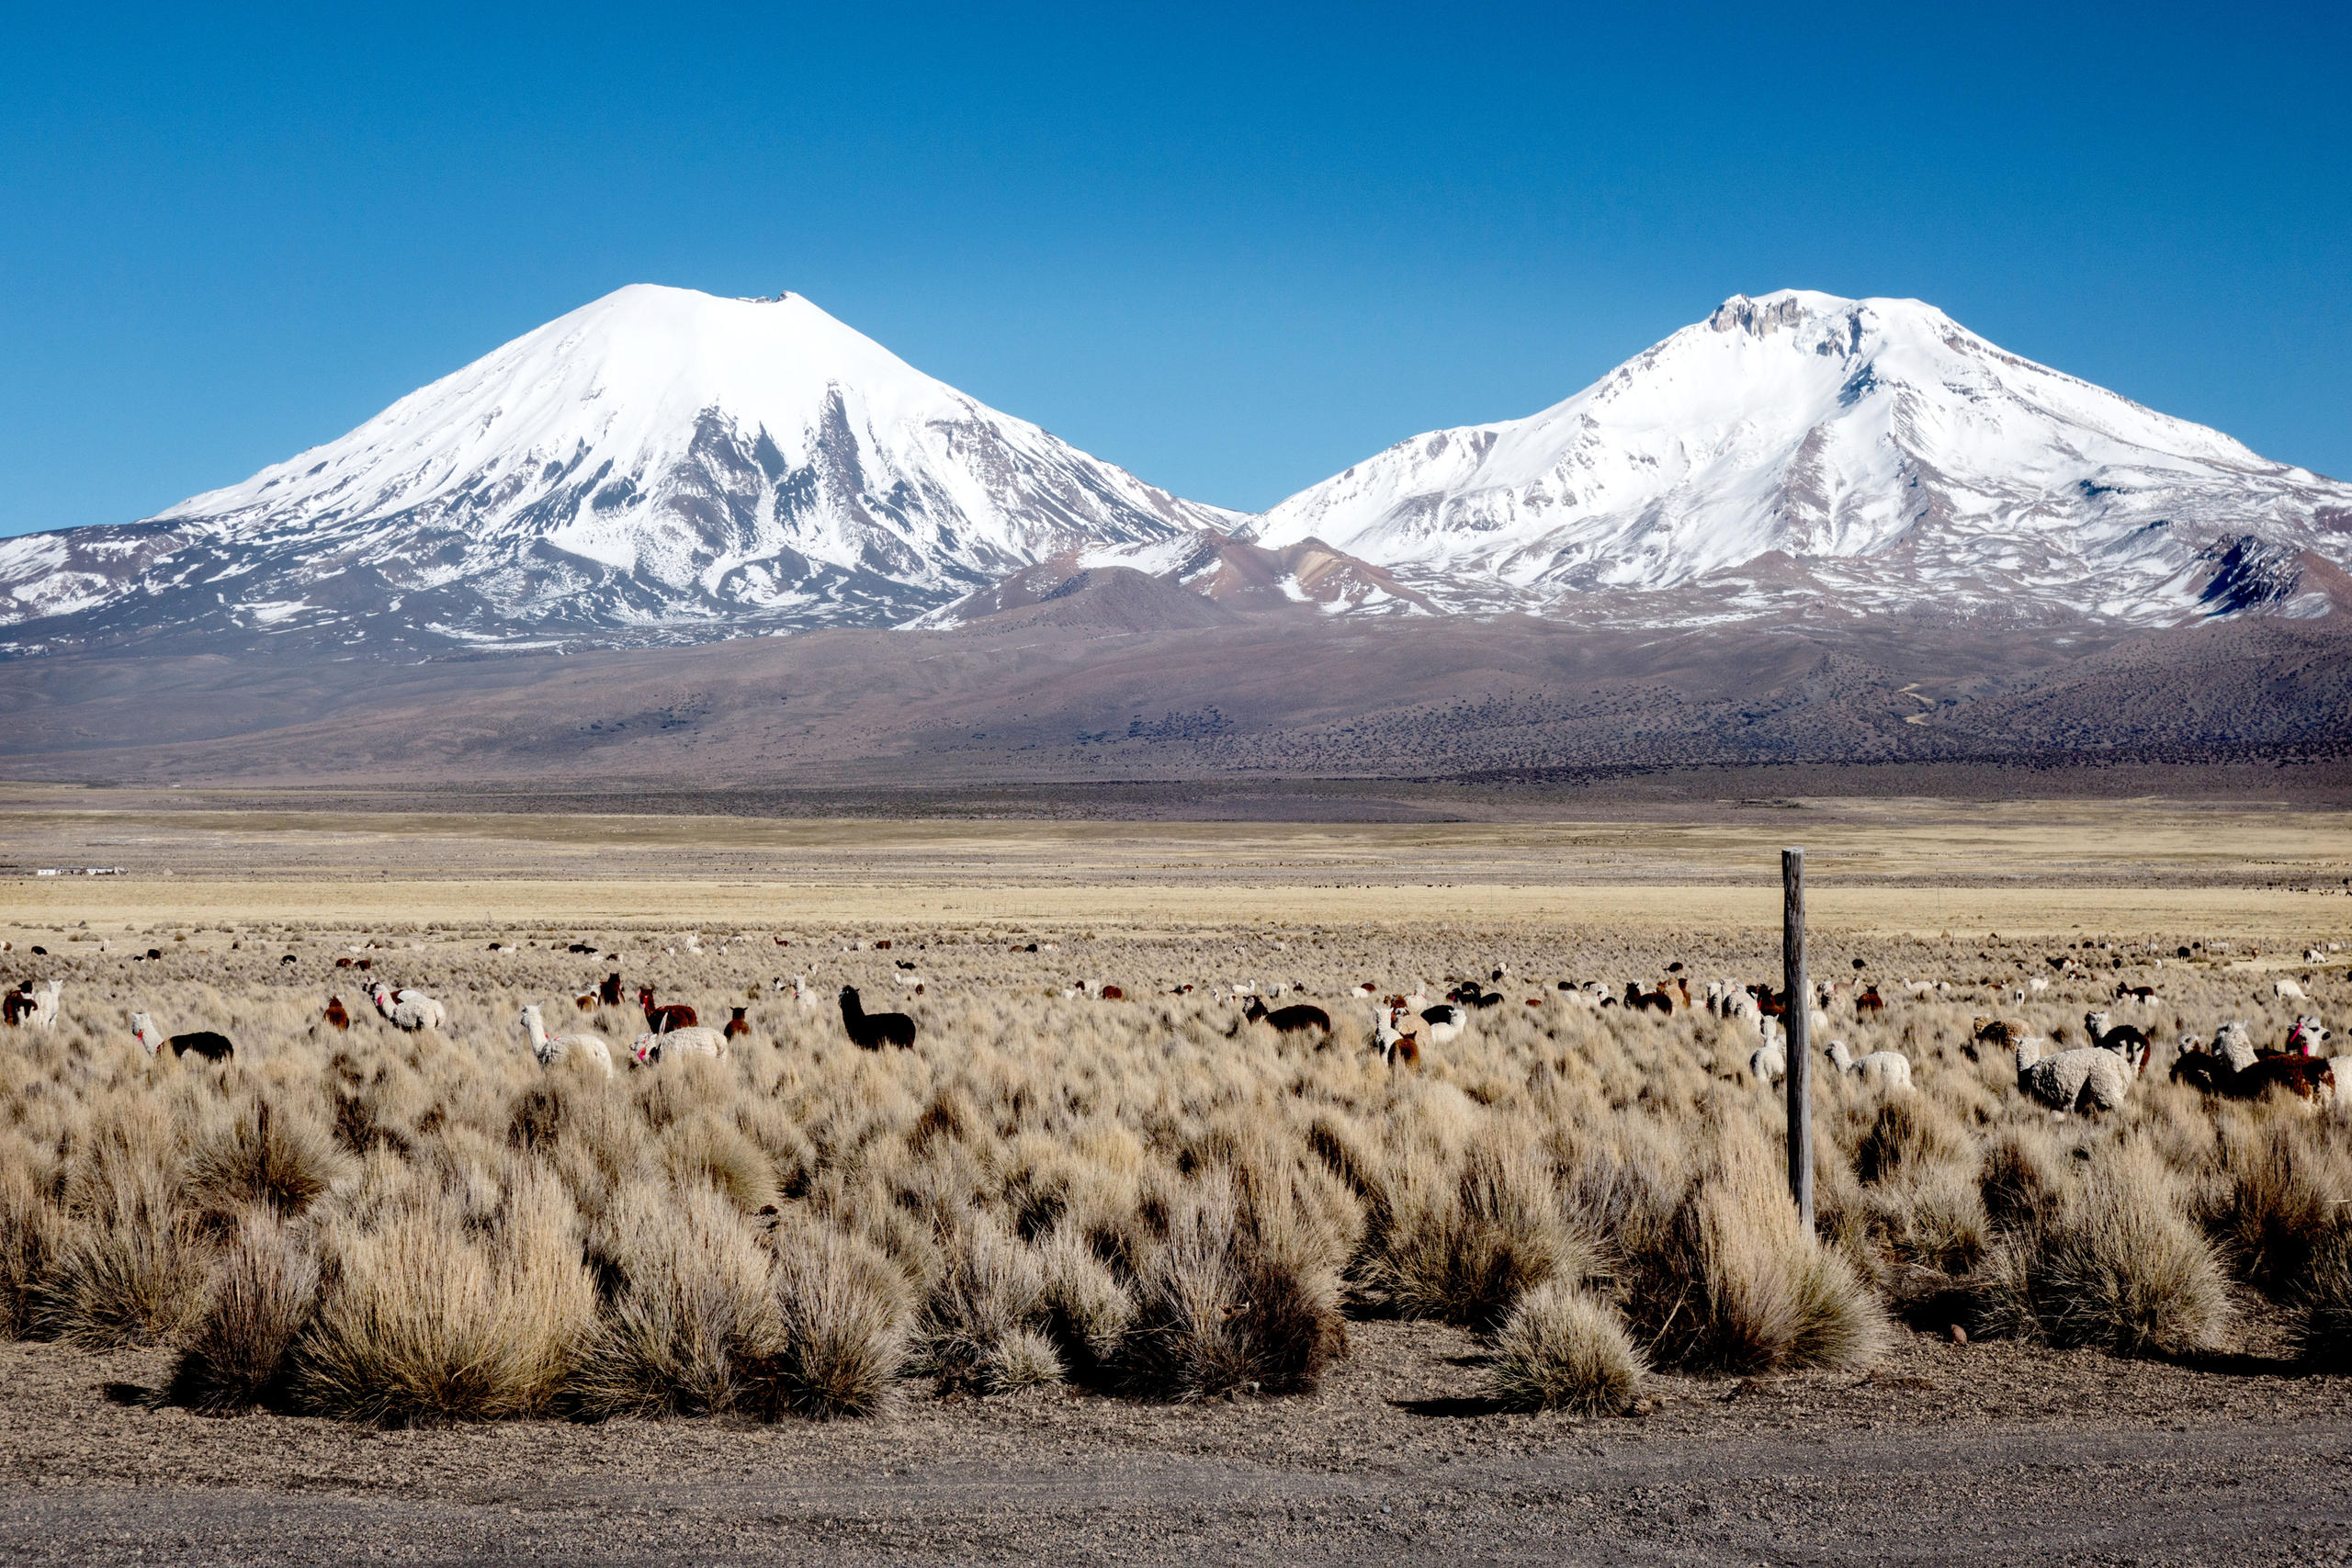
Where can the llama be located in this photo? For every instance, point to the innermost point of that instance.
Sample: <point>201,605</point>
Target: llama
<point>44,1002</point>
<point>1880,1069</point>
<point>648,1050</point>
<point>1289,1019</point>
<point>1396,1048</point>
<point>2311,1080</point>
<point>609,990</point>
<point>871,1032</point>
<point>663,1019</point>
<point>736,1027</point>
<point>2086,1079</point>
<point>1660,1000</point>
<point>408,1009</point>
<point>2308,1035</point>
<point>205,1043</point>
<point>550,1050</point>
<point>2234,1043</point>
<point>2123,1039</point>
<point>334,1015</point>
<point>2002,1033</point>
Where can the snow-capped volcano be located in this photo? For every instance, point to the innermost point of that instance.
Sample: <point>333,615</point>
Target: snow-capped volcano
<point>665,466</point>
<point>1873,447</point>
<point>659,461</point>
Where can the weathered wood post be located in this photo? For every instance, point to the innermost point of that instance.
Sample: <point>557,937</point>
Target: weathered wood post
<point>1797,1028</point>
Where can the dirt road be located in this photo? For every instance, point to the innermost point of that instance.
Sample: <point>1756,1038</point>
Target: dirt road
<point>1942,1454</point>
<point>2240,1495</point>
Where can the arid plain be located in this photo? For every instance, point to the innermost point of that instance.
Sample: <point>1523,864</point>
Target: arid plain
<point>1087,1279</point>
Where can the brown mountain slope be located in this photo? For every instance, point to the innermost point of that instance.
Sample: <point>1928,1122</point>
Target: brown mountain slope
<point>1026,699</point>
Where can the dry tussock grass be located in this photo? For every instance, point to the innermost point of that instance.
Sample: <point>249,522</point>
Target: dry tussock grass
<point>1146,1197</point>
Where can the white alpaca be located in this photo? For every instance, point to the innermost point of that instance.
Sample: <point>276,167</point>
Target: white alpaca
<point>2234,1043</point>
<point>409,1009</point>
<point>2086,1079</point>
<point>1768,1064</point>
<point>1386,1036</point>
<point>45,1002</point>
<point>648,1050</point>
<point>550,1050</point>
<point>1880,1069</point>
<point>803,993</point>
<point>1445,1023</point>
<point>2288,991</point>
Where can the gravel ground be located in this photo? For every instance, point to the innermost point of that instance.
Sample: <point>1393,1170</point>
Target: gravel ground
<point>1943,1454</point>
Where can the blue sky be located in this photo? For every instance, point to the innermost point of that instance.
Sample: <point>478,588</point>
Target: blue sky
<point>1234,249</point>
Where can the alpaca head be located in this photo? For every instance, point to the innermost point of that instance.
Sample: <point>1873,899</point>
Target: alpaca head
<point>2095,1022</point>
<point>1840,1056</point>
<point>142,1029</point>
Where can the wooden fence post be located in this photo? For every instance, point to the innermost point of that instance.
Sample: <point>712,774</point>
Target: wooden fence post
<point>1798,1032</point>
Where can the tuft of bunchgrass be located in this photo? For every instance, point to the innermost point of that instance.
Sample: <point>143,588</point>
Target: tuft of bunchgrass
<point>424,1317</point>
<point>2323,1335</point>
<point>843,1331</point>
<point>1023,1359</point>
<point>1730,1282</point>
<point>1910,1131</point>
<point>2020,1177</point>
<point>1230,1305</point>
<point>131,1273</point>
<point>2272,1197</point>
<point>1087,1309</point>
<point>992,1290</point>
<point>264,1157</point>
<point>693,1301</point>
<point>2115,1264</point>
<point>28,1227</point>
<point>263,1289</point>
<point>1465,1250</point>
<point>1564,1347</point>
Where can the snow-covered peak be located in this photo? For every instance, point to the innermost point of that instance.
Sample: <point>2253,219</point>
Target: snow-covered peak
<point>1831,431</point>
<point>660,462</point>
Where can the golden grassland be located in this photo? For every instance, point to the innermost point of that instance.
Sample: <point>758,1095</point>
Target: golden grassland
<point>1963,912</point>
<point>1146,1197</point>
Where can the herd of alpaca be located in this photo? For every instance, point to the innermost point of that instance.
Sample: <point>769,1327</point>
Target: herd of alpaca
<point>2097,1076</point>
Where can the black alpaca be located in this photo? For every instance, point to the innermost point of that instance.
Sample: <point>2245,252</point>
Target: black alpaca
<point>2122,1038</point>
<point>872,1030</point>
<point>1287,1020</point>
<point>204,1043</point>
